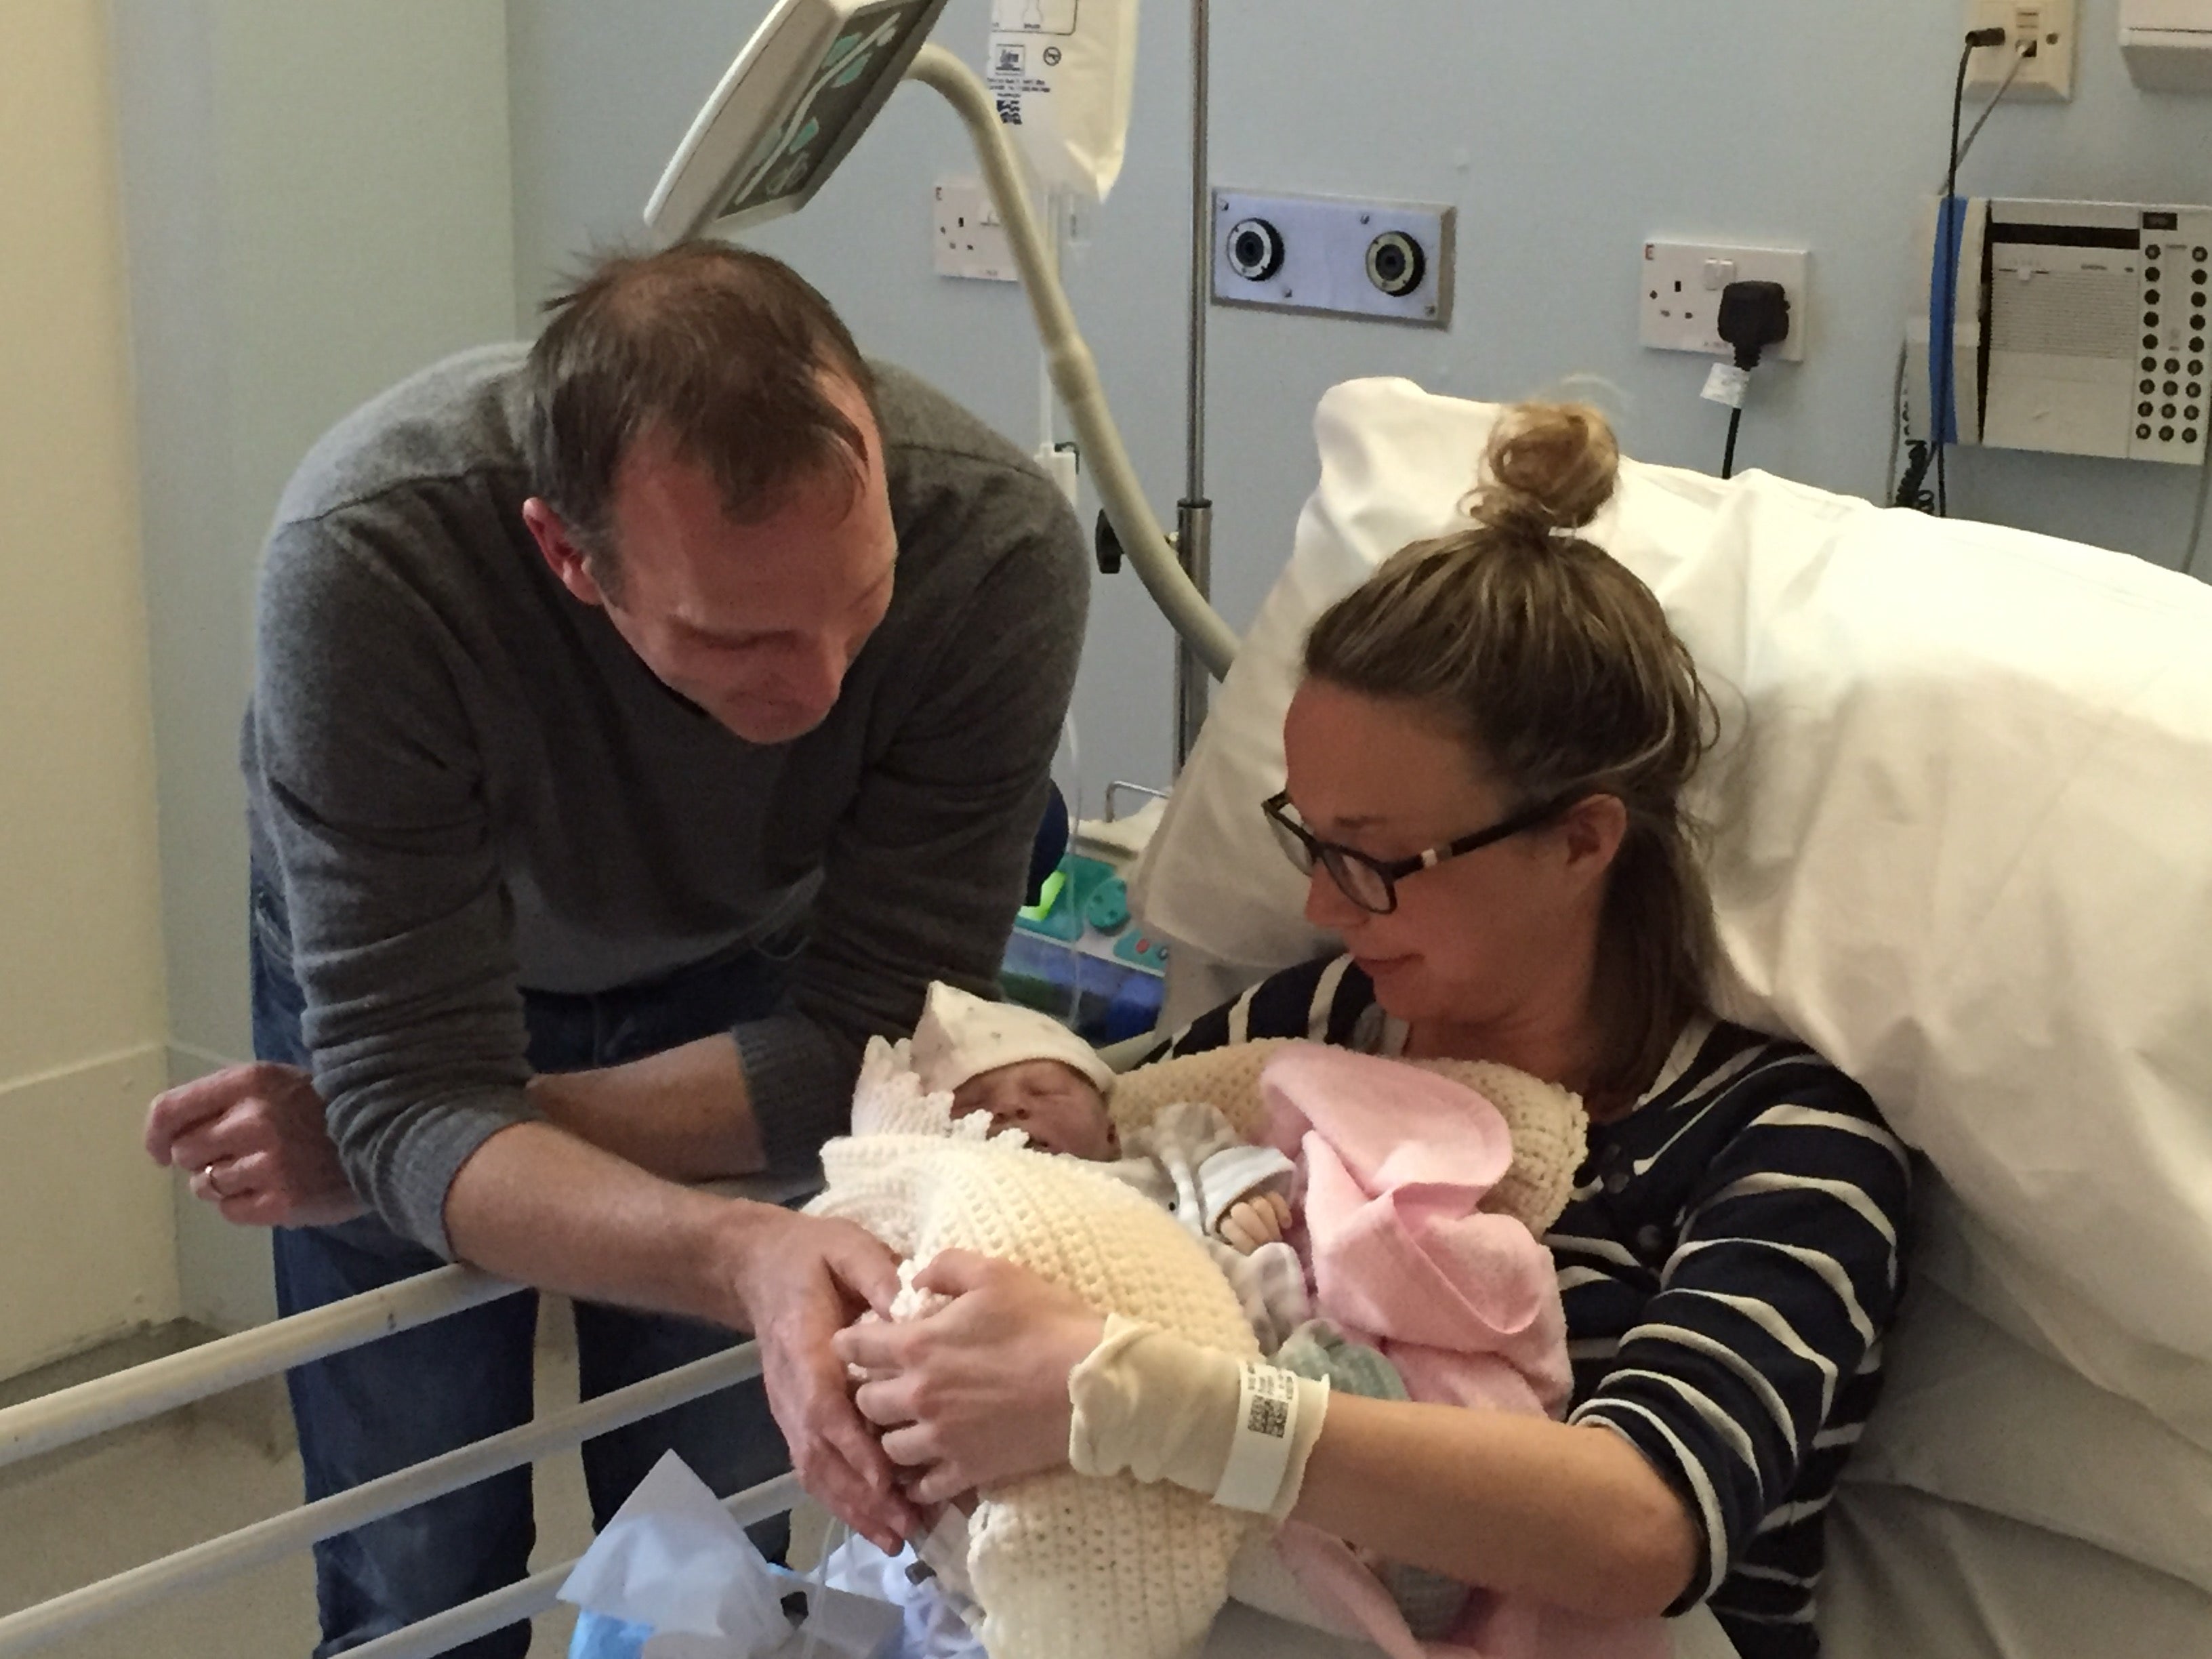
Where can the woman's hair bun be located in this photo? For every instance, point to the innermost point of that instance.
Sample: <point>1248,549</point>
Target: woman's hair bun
<point>1549,466</point>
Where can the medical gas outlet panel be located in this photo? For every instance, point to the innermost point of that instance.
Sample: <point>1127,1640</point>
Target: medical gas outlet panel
<point>2079,328</point>
<point>1386,261</point>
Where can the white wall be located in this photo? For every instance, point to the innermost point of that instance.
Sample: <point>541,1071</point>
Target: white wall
<point>1566,134</point>
<point>85,1245</point>
<point>318,199</point>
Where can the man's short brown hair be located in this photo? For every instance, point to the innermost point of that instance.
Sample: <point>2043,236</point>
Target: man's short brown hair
<point>719,349</point>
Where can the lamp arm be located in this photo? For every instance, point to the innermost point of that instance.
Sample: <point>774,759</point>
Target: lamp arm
<point>1075,371</point>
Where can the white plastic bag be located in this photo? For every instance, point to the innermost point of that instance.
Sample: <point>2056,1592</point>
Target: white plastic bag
<point>1061,73</point>
<point>673,1577</point>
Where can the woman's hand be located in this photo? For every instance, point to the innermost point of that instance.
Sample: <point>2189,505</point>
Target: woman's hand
<point>976,1392</point>
<point>252,1139</point>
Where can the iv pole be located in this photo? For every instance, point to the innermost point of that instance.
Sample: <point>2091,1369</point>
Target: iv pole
<point>1194,512</point>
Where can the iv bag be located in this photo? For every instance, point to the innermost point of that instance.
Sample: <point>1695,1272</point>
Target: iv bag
<point>1061,73</point>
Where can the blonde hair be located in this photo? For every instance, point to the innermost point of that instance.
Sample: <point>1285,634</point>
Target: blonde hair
<point>1559,668</point>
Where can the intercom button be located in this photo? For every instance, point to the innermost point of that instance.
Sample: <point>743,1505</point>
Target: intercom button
<point>2142,408</point>
<point>2143,431</point>
<point>2165,435</point>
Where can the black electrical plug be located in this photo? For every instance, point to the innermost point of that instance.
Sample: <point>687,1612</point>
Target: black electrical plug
<point>1995,35</point>
<point>1754,316</point>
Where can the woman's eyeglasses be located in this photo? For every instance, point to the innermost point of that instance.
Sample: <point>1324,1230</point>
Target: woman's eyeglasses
<point>1371,883</point>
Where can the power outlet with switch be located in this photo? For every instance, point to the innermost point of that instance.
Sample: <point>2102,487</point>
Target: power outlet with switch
<point>2048,76</point>
<point>969,237</point>
<point>1680,297</point>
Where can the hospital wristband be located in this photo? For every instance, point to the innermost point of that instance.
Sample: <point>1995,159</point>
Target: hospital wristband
<point>1265,1430</point>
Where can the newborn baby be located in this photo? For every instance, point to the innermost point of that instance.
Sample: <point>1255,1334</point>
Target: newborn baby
<point>1029,1072</point>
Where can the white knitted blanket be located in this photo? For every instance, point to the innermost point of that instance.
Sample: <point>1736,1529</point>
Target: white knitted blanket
<point>1065,1566</point>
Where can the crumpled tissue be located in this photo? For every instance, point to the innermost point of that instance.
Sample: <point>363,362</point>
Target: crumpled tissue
<point>674,1576</point>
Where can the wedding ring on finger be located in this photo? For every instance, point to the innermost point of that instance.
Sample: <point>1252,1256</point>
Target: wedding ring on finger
<point>208,1175</point>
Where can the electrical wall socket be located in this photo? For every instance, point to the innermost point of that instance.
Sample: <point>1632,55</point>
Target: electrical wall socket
<point>1680,295</point>
<point>969,239</point>
<point>2046,76</point>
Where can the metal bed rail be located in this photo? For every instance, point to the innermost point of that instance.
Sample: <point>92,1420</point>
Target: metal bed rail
<point>71,1415</point>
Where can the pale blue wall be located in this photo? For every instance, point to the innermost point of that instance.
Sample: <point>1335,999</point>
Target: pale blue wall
<point>316,203</point>
<point>1566,133</point>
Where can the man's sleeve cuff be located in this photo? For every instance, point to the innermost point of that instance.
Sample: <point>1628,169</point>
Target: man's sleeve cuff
<point>408,1189</point>
<point>799,1081</point>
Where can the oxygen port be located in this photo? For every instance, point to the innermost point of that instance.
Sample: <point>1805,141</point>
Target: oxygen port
<point>1394,263</point>
<point>1256,250</point>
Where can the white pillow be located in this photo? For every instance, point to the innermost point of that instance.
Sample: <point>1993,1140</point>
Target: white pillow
<point>1964,830</point>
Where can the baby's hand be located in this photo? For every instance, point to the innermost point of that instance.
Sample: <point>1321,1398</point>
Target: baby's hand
<point>1251,1222</point>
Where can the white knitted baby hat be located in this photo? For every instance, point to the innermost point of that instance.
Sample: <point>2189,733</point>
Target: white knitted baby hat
<point>961,1036</point>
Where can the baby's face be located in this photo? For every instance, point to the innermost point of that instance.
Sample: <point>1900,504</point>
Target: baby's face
<point>1060,1108</point>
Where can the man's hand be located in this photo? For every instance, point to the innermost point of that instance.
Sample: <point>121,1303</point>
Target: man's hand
<point>252,1139</point>
<point>1262,1218</point>
<point>801,1280</point>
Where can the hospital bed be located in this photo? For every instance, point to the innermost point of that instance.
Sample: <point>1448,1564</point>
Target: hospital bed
<point>1962,820</point>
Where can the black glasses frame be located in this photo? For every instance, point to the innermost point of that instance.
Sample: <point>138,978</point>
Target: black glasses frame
<point>1335,856</point>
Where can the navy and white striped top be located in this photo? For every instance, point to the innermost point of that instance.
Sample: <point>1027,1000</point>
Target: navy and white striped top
<point>1728,1262</point>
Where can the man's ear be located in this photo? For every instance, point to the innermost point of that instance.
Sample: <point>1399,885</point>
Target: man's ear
<point>1593,829</point>
<point>561,552</point>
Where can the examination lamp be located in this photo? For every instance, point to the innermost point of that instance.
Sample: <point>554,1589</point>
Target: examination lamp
<point>800,96</point>
<point>792,106</point>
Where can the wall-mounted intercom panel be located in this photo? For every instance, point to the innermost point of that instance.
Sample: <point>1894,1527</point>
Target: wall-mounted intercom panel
<point>2078,328</point>
<point>2168,44</point>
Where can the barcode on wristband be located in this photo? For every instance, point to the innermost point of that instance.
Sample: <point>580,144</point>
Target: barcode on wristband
<point>1267,1405</point>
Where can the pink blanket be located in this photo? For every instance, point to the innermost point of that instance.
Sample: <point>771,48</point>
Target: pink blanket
<point>1396,1161</point>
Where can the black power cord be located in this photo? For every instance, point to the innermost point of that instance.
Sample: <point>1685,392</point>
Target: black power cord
<point>1945,349</point>
<point>1754,316</point>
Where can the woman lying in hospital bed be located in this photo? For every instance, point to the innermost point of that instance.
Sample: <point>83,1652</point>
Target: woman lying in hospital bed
<point>1486,765</point>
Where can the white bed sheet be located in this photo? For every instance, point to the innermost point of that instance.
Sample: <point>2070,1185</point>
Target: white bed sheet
<point>1913,1577</point>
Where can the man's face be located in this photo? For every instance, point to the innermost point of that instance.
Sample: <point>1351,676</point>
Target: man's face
<point>756,623</point>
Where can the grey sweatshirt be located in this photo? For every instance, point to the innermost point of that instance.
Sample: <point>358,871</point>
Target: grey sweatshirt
<point>468,784</point>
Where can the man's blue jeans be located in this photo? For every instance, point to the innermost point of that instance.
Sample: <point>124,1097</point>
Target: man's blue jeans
<point>404,1398</point>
